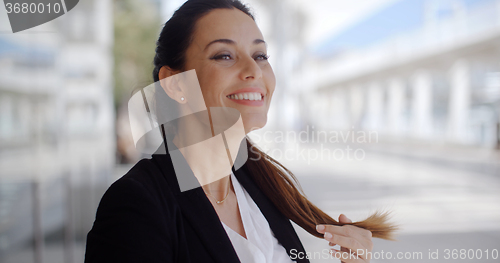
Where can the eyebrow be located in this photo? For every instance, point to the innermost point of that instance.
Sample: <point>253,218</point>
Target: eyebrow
<point>232,42</point>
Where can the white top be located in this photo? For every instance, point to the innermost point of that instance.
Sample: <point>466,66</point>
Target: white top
<point>260,246</point>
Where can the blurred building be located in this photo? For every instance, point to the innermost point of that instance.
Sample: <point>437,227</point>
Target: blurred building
<point>56,127</point>
<point>416,70</point>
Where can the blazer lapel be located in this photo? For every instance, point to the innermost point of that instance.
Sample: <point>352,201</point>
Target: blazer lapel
<point>199,212</point>
<point>280,225</point>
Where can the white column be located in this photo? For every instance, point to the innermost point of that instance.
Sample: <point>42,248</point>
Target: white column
<point>356,105</point>
<point>338,109</point>
<point>422,104</point>
<point>331,117</point>
<point>322,111</point>
<point>6,117</point>
<point>103,22</point>
<point>459,102</point>
<point>374,106</point>
<point>395,105</point>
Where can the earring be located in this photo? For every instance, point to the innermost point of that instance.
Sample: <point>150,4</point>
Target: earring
<point>183,99</point>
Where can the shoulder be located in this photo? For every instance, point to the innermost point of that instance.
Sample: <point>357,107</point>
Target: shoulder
<point>145,185</point>
<point>134,218</point>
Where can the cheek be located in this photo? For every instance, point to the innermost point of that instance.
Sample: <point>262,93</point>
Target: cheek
<point>270,80</point>
<point>211,84</point>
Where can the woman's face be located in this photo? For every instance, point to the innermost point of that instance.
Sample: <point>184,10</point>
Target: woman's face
<point>230,58</point>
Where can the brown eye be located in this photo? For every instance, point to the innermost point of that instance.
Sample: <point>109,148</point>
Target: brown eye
<point>222,57</point>
<point>262,57</point>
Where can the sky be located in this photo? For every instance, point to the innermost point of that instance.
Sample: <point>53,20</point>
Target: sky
<point>325,17</point>
<point>328,17</point>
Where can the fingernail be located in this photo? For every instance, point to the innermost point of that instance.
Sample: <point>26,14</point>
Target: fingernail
<point>328,235</point>
<point>320,227</point>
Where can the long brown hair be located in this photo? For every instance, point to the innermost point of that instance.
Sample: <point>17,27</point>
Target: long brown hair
<point>278,183</point>
<point>283,189</point>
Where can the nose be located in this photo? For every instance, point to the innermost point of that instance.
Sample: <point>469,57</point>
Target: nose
<point>250,69</point>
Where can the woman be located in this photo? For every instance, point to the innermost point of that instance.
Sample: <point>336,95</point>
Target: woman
<point>243,216</point>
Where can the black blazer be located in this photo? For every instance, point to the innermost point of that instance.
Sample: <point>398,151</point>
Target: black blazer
<point>144,217</point>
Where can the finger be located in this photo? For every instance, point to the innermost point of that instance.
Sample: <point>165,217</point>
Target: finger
<point>362,235</point>
<point>330,243</point>
<point>345,242</point>
<point>343,219</point>
<point>347,230</point>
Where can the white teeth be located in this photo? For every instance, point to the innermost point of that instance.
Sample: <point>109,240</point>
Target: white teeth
<point>246,96</point>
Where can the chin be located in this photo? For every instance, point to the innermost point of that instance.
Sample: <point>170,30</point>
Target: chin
<point>254,123</point>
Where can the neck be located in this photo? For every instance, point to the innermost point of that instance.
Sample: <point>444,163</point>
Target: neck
<point>209,159</point>
<point>219,189</point>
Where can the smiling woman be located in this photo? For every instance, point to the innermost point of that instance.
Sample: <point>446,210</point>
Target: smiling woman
<point>229,55</point>
<point>243,216</point>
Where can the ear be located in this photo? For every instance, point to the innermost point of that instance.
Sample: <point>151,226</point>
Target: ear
<point>170,84</point>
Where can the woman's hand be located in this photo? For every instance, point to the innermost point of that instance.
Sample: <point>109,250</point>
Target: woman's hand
<point>356,243</point>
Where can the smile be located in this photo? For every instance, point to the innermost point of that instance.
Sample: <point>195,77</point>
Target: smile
<point>246,96</point>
